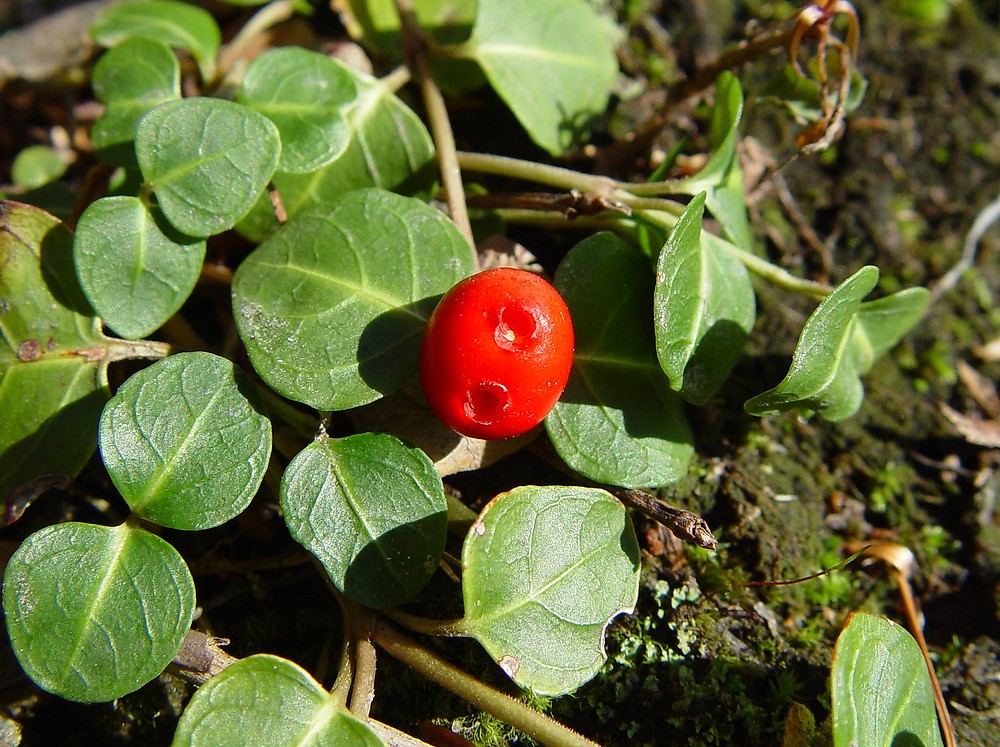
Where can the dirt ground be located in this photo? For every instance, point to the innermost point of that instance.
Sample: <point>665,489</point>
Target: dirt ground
<point>705,661</point>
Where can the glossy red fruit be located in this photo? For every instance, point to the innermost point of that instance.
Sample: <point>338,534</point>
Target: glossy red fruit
<point>497,353</point>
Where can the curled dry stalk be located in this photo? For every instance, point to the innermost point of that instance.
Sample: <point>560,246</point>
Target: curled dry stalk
<point>814,21</point>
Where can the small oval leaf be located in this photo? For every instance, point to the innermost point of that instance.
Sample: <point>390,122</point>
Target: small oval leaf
<point>704,309</point>
<point>826,365</point>
<point>96,612</point>
<point>544,571</point>
<point>372,510</point>
<point>175,24</point>
<point>618,422</point>
<point>207,161</point>
<point>305,94</point>
<point>135,268</point>
<point>131,79</point>
<point>36,166</point>
<point>880,687</point>
<point>389,147</point>
<point>331,308</point>
<point>184,444</point>
<point>267,700</point>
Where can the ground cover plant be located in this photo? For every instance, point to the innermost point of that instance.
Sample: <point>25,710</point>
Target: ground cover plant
<point>274,228</point>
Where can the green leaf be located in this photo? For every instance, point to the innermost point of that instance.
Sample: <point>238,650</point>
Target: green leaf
<point>134,267</point>
<point>53,378</point>
<point>881,690</point>
<point>267,700</point>
<point>618,422</point>
<point>376,24</point>
<point>826,365</point>
<point>726,115</point>
<point>183,442</point>
<point>305,94</point>
<point>136,76</point>
<point>175,24</point>
<point>703,309</point>
<point>389,147</point>
<point>545,570</point>
<point>207,161</point>
<point>96,612</point>
<point>882,323</point>
<point>372,510</point>
<point>332,307</point>
<point>552,62</point>
<point>36,166</point>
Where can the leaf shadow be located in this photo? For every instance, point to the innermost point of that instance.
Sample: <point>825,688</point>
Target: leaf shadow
<point>389,346</point>
<point>574,128</point>
<point>391,569</point>
<point>712,360</point>
<point>63,441</point>
<point>907,739</point>
<point>59,272</point>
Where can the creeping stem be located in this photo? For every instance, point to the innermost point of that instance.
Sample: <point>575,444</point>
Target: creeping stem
<point>655,210</point>
<point>517,714</point>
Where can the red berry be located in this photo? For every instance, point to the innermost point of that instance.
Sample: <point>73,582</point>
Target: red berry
<point>497,353</point>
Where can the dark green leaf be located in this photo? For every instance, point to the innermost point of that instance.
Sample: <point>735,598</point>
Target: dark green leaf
<point>305,94</point>
<point>703,309</point>
<point>182,442</point>
<point>134,267</point>
<point>131,79</point>
<point>618,421</point>
<point>175,24</point>
<point>332,307</point>
<point>372,510</point>
<point>545,570</point>
<point>207,161</point>
<point>826,365</point>
<point>267,700</point>
<point>96,612</point>
<point>552,62</point>
<point>880,686</point>
<point>389,147</point>
<point>53,381</point>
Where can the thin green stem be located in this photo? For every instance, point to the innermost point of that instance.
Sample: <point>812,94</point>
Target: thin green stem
<point>770,272</point>
<point>657,211</point>
<point>537,725</point>
<point>540,173</point>
<point>437,116</point>
<point>439,628</point>
<point>396,79</point>
<point>345,672</point>
<point>363,691</point>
